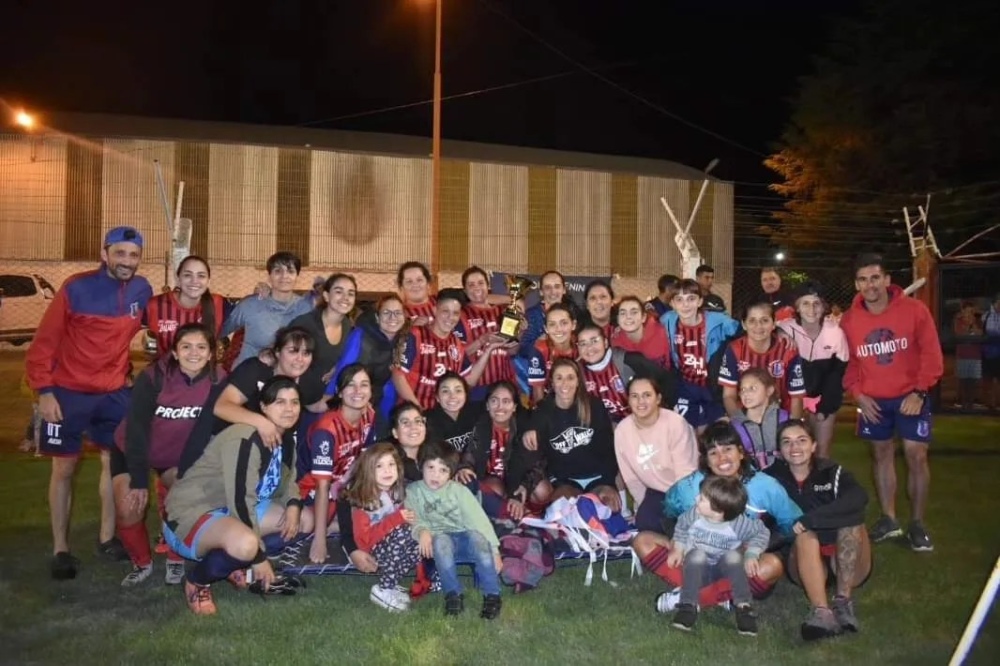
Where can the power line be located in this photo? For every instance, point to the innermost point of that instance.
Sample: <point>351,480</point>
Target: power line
<point>617,86</point>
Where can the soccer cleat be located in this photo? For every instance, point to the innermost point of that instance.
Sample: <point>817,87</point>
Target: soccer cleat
<point>820,623</point>
<point>667,601</point>
<point>920,540</point>
<point>282,586</point>
<point>885,528</point>
<point>746,620</point>
<point>174,574</point>
<point>64,566</point>
<point>685,617</point>
<point>491,607</point>
<point>113,550</point>
<point>199,598</point>
<point>454,604</point>
<point>137,575</point>
<point>843,611</point>
<point>392,599</point>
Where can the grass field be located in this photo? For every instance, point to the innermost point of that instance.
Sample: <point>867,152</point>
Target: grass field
<point>913,609</point>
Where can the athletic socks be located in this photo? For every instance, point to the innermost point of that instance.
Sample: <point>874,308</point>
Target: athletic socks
<point>135,539</point>
<point>216,565</point>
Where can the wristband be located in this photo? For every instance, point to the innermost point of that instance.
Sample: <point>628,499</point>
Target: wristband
<point>296,502</point>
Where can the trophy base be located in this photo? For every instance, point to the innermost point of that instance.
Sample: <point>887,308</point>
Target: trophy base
<point>509,326</point>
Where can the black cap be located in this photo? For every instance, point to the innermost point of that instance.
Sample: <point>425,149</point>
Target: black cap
<point>808,288</point>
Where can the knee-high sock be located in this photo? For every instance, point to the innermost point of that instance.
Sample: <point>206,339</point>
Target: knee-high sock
<point>656,562</point>
<point>216,565</point>
<point>135,539</point>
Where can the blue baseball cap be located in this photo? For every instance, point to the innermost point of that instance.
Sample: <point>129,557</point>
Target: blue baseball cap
<point>123,235</point>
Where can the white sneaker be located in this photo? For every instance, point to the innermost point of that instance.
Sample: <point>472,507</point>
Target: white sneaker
<point>392,599</point>
<point>137,575</point>
<point>667,601</point>
<point>175,573</point>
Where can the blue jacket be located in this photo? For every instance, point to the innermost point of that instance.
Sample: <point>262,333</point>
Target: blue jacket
<point>719,327</point>
<point>766,495</point>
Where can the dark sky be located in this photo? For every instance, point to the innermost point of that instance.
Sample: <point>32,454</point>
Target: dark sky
<point>728,67</point>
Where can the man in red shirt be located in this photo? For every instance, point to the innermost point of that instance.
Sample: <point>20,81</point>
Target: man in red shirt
<point>79,365</point>
<point>895,360</point>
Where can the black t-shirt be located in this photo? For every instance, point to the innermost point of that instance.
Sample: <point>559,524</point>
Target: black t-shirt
<point>249,376</point>
<point>573,450</point>
<point>457,432</point>
<point>325,355</point>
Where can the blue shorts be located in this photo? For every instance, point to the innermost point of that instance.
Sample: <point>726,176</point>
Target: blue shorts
<point>187,547</point>
<point>914,428</point>
<point>697,404</point>
<point>94,414</point>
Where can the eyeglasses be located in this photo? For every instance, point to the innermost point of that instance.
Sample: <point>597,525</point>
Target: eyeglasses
<point>391,314</point>
<point>589,342</point>
<point>406,423</point>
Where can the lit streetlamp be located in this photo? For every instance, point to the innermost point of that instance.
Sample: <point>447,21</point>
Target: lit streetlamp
<point>779,257</point>
<point>27,122</point>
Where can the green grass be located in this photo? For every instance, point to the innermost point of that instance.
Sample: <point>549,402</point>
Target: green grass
<point>913,609</point>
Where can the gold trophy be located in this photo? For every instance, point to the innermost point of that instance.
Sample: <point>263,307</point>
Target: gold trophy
<point>512,320</point>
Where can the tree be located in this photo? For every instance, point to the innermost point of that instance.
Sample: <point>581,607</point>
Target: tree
<point>901,103</point>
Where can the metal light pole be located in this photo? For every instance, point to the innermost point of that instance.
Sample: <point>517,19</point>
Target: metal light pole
<point>436,149</point>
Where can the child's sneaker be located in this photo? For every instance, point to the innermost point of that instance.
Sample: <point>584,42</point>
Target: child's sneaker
<point>454,604</point>
<point>137,575</point>
<point>667,601</point>
<point>175,573</point>
<point>199,598</point>
<point>390,598</point>
<point>685,617</point>
<point>746,620</point>
<point>491,607</point>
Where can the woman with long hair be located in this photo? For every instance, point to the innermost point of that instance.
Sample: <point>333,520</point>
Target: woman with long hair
<point>599,298</point>
<point>454,417</point>
<point>190,302</point>
<point>559,342</point>
<point>330,325</point>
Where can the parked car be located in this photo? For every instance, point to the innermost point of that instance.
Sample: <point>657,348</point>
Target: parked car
<point>24,298</point>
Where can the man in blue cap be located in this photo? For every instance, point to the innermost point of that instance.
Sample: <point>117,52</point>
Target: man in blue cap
<point>78,364</point>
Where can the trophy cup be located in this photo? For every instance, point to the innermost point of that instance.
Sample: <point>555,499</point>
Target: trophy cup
<point>512,320</point>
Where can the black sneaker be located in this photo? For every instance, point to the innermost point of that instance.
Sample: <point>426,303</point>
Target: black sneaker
<point>885,528</point>
<point>920,540</point>
<point>454,604</point>
<point>64,566</point>
<point>685,617</point>
<point>746,620</point>
<point>491,607</point>
<point>113,550</point>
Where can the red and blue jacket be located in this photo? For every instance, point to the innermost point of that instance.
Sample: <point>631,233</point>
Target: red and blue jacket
<point>82,342</point>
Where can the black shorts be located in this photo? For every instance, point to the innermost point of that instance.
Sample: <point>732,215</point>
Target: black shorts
<point>584,485</point>
<point>991,368</point>
<point>120,466</point>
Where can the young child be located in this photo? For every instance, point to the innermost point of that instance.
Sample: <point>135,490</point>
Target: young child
<point>381,524</point>
<point>761,416</point>
<point>451,527</point>
<point>708,539</point>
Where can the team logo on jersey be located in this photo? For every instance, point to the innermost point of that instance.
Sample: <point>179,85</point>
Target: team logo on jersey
<point>591,386</point>
<point>743,366</point>
<point>534,362</point>
<point>797,372</point>
<point>133,309</point>
<point>427,349</point>
<point>777,369</point>
<point>678,339</point>
<point>324,448</point>
<point>453,352</point>
<point>618,385</point>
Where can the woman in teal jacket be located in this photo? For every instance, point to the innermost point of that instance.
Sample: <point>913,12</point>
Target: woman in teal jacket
<point>722,454</point>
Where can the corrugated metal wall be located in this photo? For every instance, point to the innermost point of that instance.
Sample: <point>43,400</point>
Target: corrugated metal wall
<point>351,211</point>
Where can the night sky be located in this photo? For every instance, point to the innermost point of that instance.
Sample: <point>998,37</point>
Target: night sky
<point>727,67</point>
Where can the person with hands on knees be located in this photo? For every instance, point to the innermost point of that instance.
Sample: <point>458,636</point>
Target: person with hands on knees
<point>495,459</point>
<point>830,535</point>
<point>381,526</point>
<point>895,360</point>
<point>237,495</point>
<point>452,527</point>
<point>712,540</point>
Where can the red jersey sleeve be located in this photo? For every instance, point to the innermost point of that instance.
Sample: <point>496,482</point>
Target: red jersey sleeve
<point>38,362</point>
<point>366,534</point>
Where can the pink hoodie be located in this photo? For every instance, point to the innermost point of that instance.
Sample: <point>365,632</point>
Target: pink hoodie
<point>656,457</point>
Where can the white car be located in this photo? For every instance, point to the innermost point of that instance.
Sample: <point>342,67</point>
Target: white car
<point>24,298</point>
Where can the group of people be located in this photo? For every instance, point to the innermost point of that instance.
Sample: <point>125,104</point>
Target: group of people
<point>977,355</point>
<point>412,430</point>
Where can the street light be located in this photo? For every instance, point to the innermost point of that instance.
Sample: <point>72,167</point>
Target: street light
<point>24,119</point>
<point>436,148</point>
<point>780,256</point>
